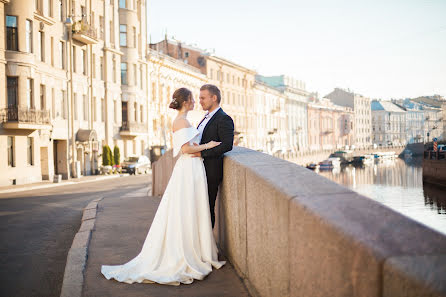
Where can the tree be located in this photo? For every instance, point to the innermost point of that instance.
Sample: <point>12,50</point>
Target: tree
<point>105,155</point>
<point>110,155</point>
<point>117,155</point>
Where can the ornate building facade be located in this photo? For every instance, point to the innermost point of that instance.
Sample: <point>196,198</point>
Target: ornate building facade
<point>63,97</point>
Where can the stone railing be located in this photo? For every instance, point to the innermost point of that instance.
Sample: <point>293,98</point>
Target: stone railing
<point>291,232</point>
<point>24,115</point>
<point>134,127</point>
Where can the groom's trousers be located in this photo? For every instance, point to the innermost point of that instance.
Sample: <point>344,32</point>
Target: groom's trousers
<point>214,176</point>
<point>212,191</point>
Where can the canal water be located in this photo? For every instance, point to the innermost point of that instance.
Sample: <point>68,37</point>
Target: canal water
<point>397,184</point>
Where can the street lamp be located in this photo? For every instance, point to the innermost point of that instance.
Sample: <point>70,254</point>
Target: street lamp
<point>69,24</point>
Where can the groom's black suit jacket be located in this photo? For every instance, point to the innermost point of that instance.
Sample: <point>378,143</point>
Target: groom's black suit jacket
<point>219,128</point>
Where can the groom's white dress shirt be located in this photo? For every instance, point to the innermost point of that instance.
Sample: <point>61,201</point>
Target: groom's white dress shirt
<point>203,124</point>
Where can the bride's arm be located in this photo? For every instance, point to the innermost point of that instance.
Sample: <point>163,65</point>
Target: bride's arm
<point>191,149</point>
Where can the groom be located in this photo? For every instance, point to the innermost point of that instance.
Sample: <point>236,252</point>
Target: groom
<point>217,126</point>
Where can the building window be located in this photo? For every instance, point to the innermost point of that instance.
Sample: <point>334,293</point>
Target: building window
<point>29,36</point>
<point>101,27</point>
<point>124,73</point>
<point>135,74</point>
<point>42,45</point>
<point>50,7</point>
<point>93,62</point>
<point>135,106</point>
<point>75,106</point>
<point>11,157</point>
<point>12,86</point>
<point>102,110</point>
<point>122,4</point>
<point>39,6</point>
<point>114,70</point>
<point>53,103</point>
<point>29,93</point>
<point>115,111</point>
<point>74,59</point>
<point>29,149</point>
<point>52,51</point>
<point>122,35</point>
<point>85,108</point>
<point>112,33</point>
<point>141,77</point>
<point>42,97</point>
<point>64,105</point>
<point>12,38</point>
<point>62,54</point>
<point>84,62</point>
<point>141,107</point>
<point>61,14</point>
<point>101,66</point>
<point>95,118</point>
<point>134,37</point>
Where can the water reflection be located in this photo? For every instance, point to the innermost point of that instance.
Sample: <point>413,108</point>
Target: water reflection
<point>435,197</point>
<point>397,184</point>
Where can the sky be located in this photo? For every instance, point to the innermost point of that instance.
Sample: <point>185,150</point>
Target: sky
<point>378,48</point>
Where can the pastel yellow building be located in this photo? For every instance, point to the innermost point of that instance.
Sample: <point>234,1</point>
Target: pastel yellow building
<point>63,97</point>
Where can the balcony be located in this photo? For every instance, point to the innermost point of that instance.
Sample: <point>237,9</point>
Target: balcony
<point>132,129</point>
<point>85,33</point>
<point>15,117</point>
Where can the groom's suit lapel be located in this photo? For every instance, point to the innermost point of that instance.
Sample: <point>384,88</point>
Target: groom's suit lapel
<point>210,122</point>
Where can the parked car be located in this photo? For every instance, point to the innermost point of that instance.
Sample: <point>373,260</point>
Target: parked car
<point>136,165</point>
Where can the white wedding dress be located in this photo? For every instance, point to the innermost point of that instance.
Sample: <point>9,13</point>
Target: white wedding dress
<point>180,246</point>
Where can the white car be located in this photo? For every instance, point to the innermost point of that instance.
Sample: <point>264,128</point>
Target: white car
<point>136,165</point>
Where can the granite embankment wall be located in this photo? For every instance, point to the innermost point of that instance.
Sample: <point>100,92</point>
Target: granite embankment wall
<point>291,232</point>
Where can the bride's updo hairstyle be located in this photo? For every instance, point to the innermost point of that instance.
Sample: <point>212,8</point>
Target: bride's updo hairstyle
<point>180,96</point>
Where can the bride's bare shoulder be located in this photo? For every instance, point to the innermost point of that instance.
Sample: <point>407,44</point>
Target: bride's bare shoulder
<point>180,123</point>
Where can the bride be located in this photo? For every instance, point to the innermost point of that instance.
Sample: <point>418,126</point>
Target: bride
<point>180,246</point>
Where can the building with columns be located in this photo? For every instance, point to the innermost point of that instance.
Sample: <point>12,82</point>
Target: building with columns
<point>295,108</point>
<point>362,110</point>
<point>271,122</point>
<point>235,82</point>
<point>167,74</point>
<point>63,97</point>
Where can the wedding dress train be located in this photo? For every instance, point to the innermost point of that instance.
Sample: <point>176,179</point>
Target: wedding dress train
<point>179,246</point>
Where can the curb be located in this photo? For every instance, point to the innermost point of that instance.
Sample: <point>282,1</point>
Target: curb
<point>73,279</point>
<point>51,185</point>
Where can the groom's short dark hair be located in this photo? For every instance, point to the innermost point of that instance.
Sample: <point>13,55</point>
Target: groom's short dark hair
<point>213,90</point>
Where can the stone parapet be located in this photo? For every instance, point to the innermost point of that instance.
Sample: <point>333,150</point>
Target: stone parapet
<point>291,232</point>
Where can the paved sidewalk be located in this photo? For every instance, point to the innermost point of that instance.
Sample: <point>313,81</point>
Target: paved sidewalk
<point>48,184</point>
<point>121,227</point>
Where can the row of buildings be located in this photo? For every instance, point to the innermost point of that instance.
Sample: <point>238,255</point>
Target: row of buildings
<point>80,74</point>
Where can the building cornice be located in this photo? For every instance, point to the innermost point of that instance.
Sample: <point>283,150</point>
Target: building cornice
<point>115,51</point>
<point>231,64</point>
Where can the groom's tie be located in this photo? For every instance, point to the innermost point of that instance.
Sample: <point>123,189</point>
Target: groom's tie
<point>205,117</point>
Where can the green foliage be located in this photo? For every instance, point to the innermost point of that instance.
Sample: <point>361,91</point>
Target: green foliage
<point>116,155</point>
<point>107,156</point>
